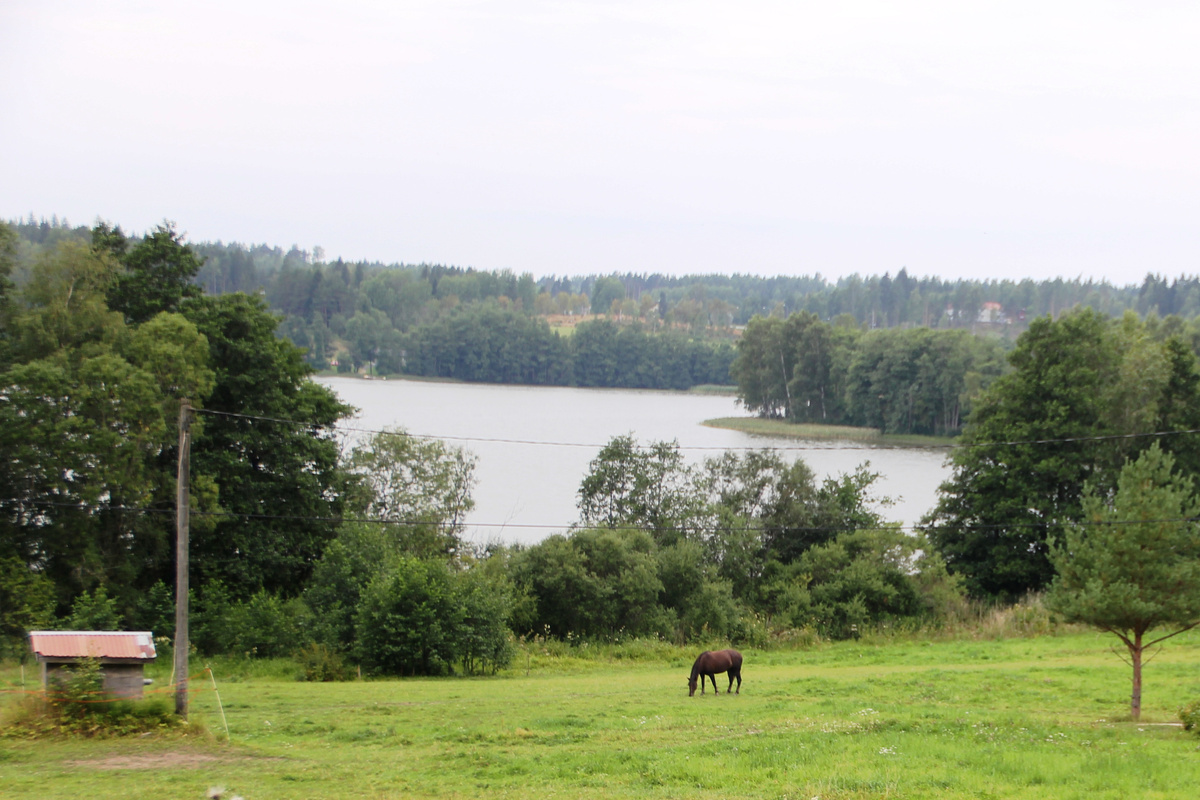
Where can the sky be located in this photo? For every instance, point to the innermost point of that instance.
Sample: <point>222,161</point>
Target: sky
<point>992,140</point>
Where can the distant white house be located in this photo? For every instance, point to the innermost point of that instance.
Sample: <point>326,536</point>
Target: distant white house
<point>992,313</point>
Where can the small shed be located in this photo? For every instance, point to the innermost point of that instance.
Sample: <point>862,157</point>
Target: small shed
<point>122,656</point>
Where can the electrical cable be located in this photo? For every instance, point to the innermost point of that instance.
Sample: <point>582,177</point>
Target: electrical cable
<point>413,523</point>
<point>949,446</point>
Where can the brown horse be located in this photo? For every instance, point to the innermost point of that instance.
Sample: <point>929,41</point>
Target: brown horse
<point>709,663</point>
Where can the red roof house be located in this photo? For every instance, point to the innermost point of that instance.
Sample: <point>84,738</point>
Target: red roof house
<point>122,656</point>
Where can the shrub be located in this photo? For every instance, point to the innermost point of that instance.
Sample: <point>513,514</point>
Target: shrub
<point>483,642</point>
<point>710,611</point>
<point>406,618</point>
<point>594,583</point>
<point>94,611</point>
<point>1190,716</point>
<point>76,705</point>
<point>856,582</point>
<point>26,603</point>
<point>268,626</point>
<point>155,611</point>
<point>321,663</point>
<point>422,618</point>
<point>71,690</point>
<point>211,629</point>
<point>749,630</point>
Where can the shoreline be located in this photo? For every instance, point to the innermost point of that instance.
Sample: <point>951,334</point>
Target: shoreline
<point>756,426</point>
<point>700,388</point>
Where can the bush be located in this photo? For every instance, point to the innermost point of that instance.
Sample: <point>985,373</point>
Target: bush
<point>155,611</point>
<point>71,690</point>
<point>423,618</point>
<point>595,583</point>
<point>856,582</point>
<point>321,663</point>
<point>211,630</point>
<point>75,704</point>
<point>406,618</point>
<point>358,554</point>
<point>26,603</point>
<point>710,611</point>
<point>750,630</point>
<point>1190,716</point>
<point>268,626</point>
<point>94,611</point>
<point>483,642</point>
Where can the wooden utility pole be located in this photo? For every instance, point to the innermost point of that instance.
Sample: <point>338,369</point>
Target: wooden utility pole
<point>182,514</point>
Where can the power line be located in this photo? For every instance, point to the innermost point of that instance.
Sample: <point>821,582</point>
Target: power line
<point>409,522</point>
<point>949,446</point>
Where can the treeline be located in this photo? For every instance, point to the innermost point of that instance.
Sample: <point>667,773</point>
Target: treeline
<point>98,346</point>
<point>356,555</point>
<point>742,547</point>
<point>696,301</point>
<point>914,380</point>
<point>1086,396</point>
<point>394,318</point>
<point>434,321</point>
<point>706,302</point>
<point>491,343</point>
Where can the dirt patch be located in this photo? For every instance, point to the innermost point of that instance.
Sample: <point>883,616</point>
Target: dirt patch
<point>177,760</point>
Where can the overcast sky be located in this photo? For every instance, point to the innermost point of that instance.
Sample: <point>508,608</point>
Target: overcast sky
<point>991,140</point>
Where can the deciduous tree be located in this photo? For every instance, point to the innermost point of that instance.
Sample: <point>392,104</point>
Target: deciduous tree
<point>1037,436</point>
<point>157,275</point>
<point>422,487</point>
<point>271,453</point>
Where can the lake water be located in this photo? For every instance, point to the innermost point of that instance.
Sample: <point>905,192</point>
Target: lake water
<point>534,444</point>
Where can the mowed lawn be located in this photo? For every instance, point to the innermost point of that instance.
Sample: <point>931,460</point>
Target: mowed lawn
<point>1018,718</point>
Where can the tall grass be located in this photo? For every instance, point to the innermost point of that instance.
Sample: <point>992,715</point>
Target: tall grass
<point>75,704</point>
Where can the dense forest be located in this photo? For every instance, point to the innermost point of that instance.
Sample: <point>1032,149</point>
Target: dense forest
<point>899,380</point>
<point>355,554</point>
<point>651,331</point>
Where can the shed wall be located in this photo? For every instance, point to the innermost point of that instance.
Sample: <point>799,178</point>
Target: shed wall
<point>119,680</point>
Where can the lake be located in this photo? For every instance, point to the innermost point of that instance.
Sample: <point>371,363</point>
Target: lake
<point>534,444</point>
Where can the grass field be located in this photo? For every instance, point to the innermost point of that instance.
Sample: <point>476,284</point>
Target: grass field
<point>1017,718</point>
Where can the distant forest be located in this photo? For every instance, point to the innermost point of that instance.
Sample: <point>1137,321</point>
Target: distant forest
<point>625,330</point>
<point>356,555</point>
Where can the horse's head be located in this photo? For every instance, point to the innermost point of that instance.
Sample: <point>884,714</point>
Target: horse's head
<point>691,687</point>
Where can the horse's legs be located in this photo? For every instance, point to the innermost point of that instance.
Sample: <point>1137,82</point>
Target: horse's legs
<point>712,676</point>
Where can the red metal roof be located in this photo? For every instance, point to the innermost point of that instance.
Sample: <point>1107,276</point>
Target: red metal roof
<point>93,644</point>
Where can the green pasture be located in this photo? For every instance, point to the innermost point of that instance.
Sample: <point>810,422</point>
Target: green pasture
<point>1016,718</point>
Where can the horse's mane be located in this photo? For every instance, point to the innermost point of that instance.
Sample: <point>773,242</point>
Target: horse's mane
<point>696,664</point>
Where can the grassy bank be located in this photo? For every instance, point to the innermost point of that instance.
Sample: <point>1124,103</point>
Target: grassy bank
<point>776,427</point>
<point>1015,718</point>
<point>702,388</point>
<point>714,388</point>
